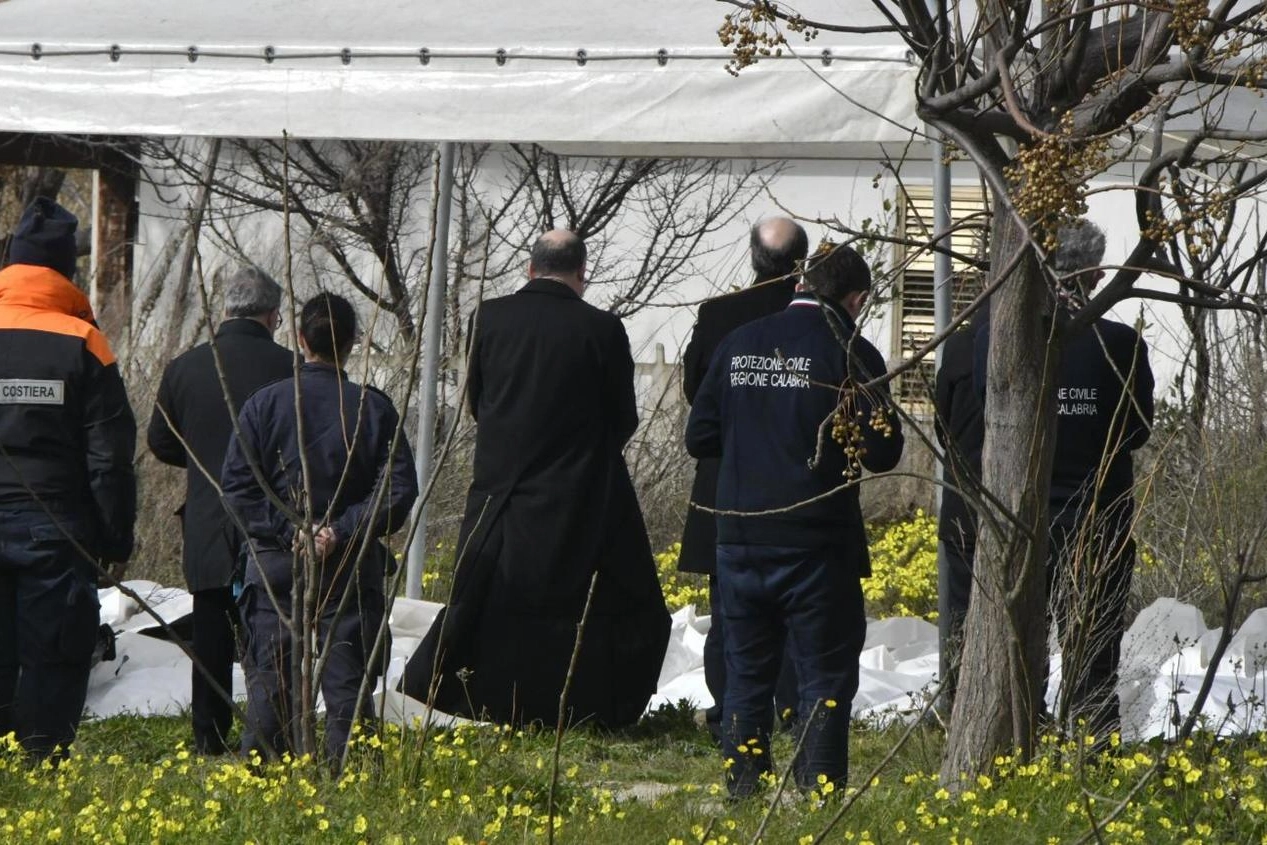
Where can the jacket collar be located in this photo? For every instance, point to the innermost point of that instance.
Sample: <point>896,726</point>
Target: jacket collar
<point>324,369</point>
<point>243,326</point>
<point>809,300</point>
<point>553,287</point>
<point>45,289</point>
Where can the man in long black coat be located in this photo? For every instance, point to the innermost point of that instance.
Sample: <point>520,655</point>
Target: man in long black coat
<point>960,427</point>
<point>191,427</point>
<point>550,385</point>
<point>778,247</point>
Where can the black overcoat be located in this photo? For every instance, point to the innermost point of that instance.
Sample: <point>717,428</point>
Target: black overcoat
<point>718,317</point>
<point>960,427</point>
<point>550,385</point>
<point>192,397</point>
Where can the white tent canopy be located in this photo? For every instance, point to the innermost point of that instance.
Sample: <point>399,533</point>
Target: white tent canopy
<point>638,78</point>
<point>653,74</point>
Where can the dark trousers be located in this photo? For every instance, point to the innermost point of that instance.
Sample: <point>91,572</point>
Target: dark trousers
<point>215,646</point>
<point>48,628</point>
<point>270,684</point>
<point>956,584</point>
<point>810,601</point>
<point>1089,570</point>
<point>785,695</point>
<point>1088,585</point>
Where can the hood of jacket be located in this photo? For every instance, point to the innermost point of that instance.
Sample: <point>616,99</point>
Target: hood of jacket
<point>43,289</point>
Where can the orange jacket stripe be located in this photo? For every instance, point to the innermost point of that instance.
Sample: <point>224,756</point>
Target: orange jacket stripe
<point>41,299</point>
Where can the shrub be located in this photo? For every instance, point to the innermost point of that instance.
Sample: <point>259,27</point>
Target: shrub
<point>903,578</point>
<point>680,588</point>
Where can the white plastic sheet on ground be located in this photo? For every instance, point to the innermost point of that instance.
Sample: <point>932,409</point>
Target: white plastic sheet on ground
<point>1165,655</point>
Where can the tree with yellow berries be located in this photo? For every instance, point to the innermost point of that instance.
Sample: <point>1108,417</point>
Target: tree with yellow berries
<point>1043,97</point>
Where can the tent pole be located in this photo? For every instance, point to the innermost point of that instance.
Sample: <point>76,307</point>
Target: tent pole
<point>432,335</point>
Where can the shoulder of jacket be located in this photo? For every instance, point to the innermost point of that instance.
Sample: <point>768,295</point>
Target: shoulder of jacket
<point>710,308</point>
<point>1113,328</point>
<point>612,319</point>
<point>64,325</point>
<point>718,306</point>
<point>498,303</point>
<point>190,357</point>
<point>857,344</point>
<point>98,346</point>
<point>962,339</point>
<point>268,391</point>
<point>756,290</point>
<point>379,394</point>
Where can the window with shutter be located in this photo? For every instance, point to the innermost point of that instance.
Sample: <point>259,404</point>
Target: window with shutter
<point>913,298</point>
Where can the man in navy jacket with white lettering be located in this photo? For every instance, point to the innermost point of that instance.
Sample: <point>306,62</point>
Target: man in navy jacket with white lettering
<point>1104,411</point>
<point>788,406</point>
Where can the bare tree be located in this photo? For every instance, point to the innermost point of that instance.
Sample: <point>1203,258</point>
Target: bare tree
<point>1044,97</point>
<point>647,223</point>
<point>348,200</point>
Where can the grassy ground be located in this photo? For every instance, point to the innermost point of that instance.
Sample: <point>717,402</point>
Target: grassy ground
<point>131,780</point>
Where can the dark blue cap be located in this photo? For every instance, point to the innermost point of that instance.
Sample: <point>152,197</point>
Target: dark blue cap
<point>45,236</point>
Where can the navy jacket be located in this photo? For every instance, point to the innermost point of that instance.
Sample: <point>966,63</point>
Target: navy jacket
<point>192,412</point>
<point>1104,411</point>
<point>348,433</point>
<point>765,409</point>
<point>67,434</point>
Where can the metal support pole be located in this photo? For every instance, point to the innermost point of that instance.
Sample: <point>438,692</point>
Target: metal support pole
<point>943,301</point>
<point>433,331</point>
<point>943,309</point>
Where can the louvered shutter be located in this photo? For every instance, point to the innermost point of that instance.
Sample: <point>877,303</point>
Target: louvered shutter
<point>913,303</point>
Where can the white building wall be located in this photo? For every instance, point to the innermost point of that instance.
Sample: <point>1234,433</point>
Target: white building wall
<point>849,191</point>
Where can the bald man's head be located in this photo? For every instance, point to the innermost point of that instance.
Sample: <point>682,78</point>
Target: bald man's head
<point>779,245</point>
<point>558,254</point>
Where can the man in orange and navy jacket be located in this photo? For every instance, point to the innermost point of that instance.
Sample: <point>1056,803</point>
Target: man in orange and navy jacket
<point>67,487</point>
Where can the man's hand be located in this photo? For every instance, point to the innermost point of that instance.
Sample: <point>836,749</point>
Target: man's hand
<point>326,541</point>
<point>117,570</point>
<point>323,538</point>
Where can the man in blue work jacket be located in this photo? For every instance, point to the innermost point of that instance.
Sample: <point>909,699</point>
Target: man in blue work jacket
<point>338,478</point>
<point>1104,412</point>
<point>792,406</point>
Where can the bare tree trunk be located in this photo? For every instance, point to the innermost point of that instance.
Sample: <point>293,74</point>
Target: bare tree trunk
<point>42,182</point>
<point>1000,682</point>
<point>1197,321</point>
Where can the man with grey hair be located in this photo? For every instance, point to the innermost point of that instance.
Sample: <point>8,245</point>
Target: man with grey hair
<point>191,427</point>
<point>1104,411</point>
<point>1077,257</point>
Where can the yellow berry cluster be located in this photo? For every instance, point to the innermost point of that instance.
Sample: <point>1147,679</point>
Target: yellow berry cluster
<point>1198,218</point>
<point>846,429</point>
<point>753,33</point>
<point>1188,23</point>
<point>1049,177</point>
<point>880,421</point>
